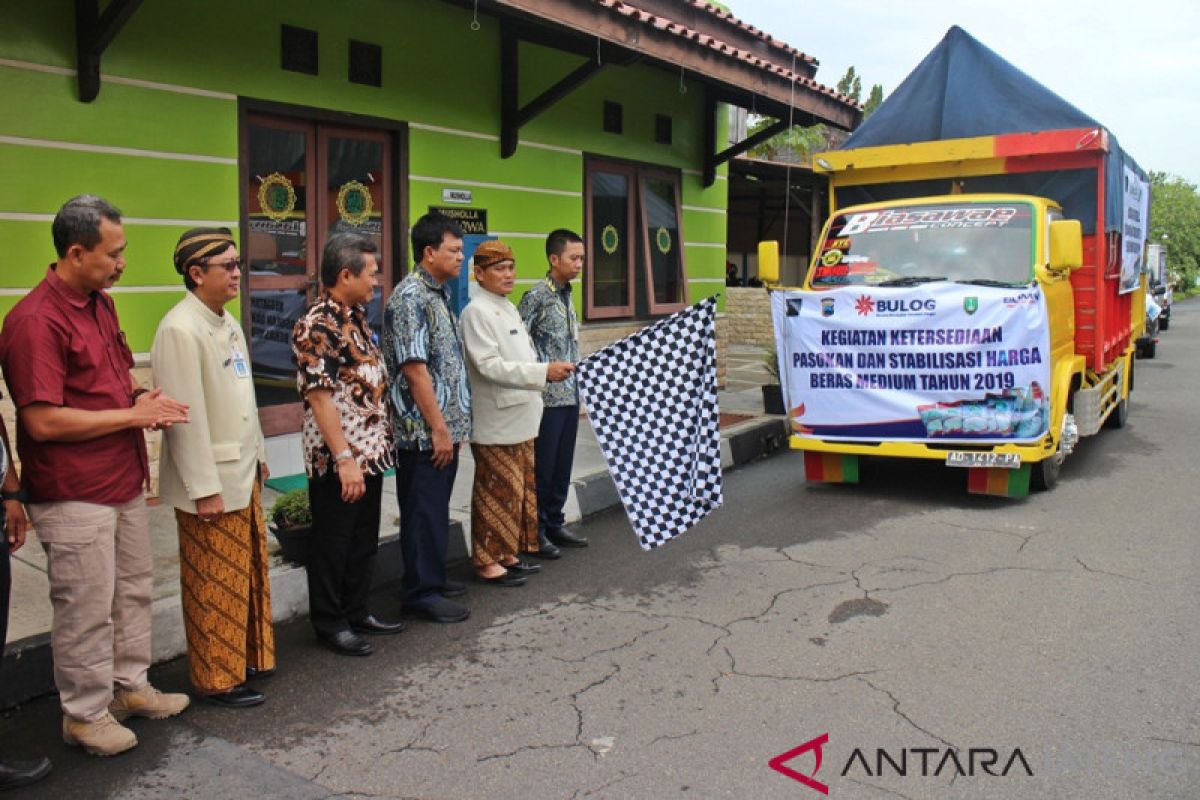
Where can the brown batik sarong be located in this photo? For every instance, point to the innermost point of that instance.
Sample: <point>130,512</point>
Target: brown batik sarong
<point>503,502</point>
<point>226,593</point>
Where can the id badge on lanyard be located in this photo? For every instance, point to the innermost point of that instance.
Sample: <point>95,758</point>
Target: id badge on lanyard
<point>241,366</point>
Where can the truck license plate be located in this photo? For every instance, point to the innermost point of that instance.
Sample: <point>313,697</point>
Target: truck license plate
<point>966,458</point>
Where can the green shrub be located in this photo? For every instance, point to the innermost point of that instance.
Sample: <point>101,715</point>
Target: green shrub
<point>291,509</point>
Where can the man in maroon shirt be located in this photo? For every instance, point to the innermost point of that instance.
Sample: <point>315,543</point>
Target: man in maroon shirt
<point>80,419</point>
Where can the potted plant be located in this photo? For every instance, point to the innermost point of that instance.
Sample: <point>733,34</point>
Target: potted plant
<point>772,392</point>
<point>291,520</point>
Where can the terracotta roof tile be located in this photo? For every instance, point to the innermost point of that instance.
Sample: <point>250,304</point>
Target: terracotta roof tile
<point>627,9</point>
<point>730,19</point>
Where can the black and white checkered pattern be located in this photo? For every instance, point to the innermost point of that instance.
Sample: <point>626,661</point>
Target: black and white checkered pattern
<point>652,400</point>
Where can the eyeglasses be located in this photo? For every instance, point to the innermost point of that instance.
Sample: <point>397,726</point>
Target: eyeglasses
<point>228,266</point>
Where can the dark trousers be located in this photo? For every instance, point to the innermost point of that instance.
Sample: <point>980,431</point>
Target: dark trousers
<point>341,552</point>
<point>554,453</point>
<point>423,493</point>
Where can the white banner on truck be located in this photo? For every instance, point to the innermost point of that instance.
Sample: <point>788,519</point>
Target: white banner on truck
<point>1135,219</point>
<point>942,362</point>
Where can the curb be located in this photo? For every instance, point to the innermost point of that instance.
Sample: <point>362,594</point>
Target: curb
<point>27,668</point>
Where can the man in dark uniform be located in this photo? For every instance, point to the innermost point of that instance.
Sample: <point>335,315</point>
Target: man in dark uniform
<point>550,317</point>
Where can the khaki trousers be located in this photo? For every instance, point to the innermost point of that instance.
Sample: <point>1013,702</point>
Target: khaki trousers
<point>101,578</point>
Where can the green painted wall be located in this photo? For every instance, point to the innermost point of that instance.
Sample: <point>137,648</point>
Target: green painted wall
<point>167,154</point>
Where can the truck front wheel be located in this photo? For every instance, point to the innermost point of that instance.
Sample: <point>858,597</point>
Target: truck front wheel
<point>1119,415</point>
<point>1045,473</point>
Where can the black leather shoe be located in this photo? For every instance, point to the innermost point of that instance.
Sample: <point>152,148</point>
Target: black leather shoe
<point>507,580</point>
<point>522,567</point>
<point>255,672</point>
<point>439,610</point>
<point>237,697</point>
<point>453,589</point>
<point>546,548</point>
<point>22,773</point>
<point>564,538</point>
<point>346,643</point>
<point>373,626</point>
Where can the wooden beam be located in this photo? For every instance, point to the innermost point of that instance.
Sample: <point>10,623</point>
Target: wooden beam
<point>713,160</point>
<point>513,116</point>
<point>509,89</point>
<point>94,32</point>
<point>87,63</point>
<point>752,141</point>
<point>557,92</point>
<point>571,41</point>
<point>112,21</point>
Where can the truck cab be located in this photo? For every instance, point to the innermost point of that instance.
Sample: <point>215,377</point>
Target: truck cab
<point>975,295</point>
<point>1007,331</point>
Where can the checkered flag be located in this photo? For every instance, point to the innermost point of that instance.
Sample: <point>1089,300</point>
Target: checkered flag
<point>652,400</point>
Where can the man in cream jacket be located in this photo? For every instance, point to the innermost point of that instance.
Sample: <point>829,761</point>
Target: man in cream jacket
<point>211,470</point>
<point>506,407</point>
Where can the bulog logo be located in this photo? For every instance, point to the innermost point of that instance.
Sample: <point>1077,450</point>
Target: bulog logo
<point>906,305</point>
<point>866,305</point>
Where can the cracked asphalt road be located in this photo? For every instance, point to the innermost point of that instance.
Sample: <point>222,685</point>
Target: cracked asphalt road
<point>898,614</point>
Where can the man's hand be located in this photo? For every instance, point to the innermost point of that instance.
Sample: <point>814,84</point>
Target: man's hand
<point>264,473</point>
<point>210,508</point>
<point>559,370</point>
<point>443,448</point>
<point>351,477</point>
<point>155,410</point>
<point>17,526</point>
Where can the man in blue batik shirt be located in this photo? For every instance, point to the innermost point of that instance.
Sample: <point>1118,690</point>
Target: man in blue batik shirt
<point>554,328</point>
<point>431,414</point>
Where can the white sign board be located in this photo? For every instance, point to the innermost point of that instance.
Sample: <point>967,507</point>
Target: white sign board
<point>942,362</point>
<point>1135,217</point>
<point>457,196</point>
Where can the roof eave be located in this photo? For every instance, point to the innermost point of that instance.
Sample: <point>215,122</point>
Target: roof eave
<point>736,76</point>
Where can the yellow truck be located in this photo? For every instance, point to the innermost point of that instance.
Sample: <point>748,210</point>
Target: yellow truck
<point>973,299</point>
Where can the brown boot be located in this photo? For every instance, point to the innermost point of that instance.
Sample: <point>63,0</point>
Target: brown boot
<point>104,737</point>
<point>147,702</point>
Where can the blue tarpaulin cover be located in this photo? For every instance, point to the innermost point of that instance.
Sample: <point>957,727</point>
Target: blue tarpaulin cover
<point>963,89</point>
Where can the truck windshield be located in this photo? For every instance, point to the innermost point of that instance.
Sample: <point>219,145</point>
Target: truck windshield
<point>988,243</point>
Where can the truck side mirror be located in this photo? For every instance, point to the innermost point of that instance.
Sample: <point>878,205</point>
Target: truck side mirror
<point>1066,244</point>
<point>768,262</point>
